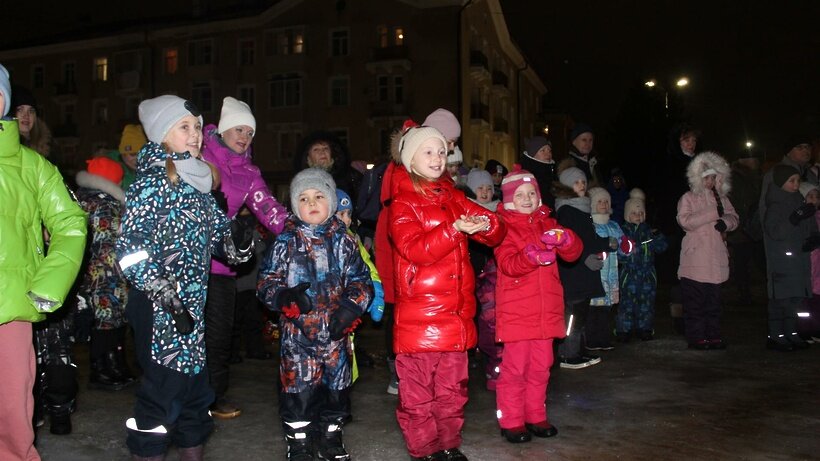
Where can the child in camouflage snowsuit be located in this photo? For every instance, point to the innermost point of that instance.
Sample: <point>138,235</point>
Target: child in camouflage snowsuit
<point>639,283</point>
<point>315,276</point>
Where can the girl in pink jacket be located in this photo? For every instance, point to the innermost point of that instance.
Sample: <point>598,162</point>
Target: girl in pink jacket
<point>705,214</point>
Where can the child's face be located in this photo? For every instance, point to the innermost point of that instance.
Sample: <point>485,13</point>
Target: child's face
<point>580,187</point>
<point>484,193</point>
<point>525,199</point>
<point>709,182</point>
<point>452,168</point>
<point>430,159</point>
<point>238,138</point>
<point>185,136</point>
<point>688,143</point>
<point>544,153</point>
<point>602,206</point>
<point>345,216</point>
<point>637,216</point>
<point>314,206</point>
<point>792,184</point>
<point>813,197</point>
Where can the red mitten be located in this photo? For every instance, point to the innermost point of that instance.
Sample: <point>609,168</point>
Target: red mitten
<point>556,238</point>
<point>627,245</point>
<point>291,311</point>
<point>538,256</point>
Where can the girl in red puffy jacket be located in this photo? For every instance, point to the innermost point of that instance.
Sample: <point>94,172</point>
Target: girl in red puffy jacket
<point>429,221</point>
<point>529,305</point>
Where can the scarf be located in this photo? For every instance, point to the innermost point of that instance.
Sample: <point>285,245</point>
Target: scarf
<point>194,171</point>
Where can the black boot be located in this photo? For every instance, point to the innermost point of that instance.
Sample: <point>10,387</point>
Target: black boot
<point>104,376</point>
<point>119,367</point>
<point>331,446</point>
<point>300,446</point>
<point>59,395</point>
<point>60,421</point>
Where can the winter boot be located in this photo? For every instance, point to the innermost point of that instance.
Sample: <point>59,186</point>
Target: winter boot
<point>300,447</point>
<point>120,366</point>
<point>191,453</point>
<point>331,447</point>
<point>59,393</point>
<point>393,386</point>
<point>103,376</point>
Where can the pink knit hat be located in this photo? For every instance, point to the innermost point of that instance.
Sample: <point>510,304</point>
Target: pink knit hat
<point>515,179</point>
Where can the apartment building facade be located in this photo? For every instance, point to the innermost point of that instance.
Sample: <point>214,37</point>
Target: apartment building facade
<point>358,69</point>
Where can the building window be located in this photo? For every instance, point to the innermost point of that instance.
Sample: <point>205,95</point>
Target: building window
<point>398,36</point>
<point>285,91</point>
<point>383,40</point>
<point>398,89</point>
<point>383,88</point>
<point>171,61</point>
<point>67,114</point>
<point>200,53</point>
<point>202,96</point>
<point>246,52</point>
<point>287,142</point>
<point>99,112</point>
<point>339,91</point>
<point>282,42</point>
<point>247,93</point>
<point>38,76</point>
<point>339,42</point>
<point>101,69</point>
<point>69,73</point>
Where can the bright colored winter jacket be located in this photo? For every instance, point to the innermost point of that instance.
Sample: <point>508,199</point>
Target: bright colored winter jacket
<point>703,256</point>
<point>382,248</point>
<point>33,195</point>
<point>242,184</point>
<point>171,230</point>
<point>529,299</point>
<point>434,281</point>
<point>609,273</point>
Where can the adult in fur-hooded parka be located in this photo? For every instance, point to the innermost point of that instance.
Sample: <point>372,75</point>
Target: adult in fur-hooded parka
<point>706,214</point>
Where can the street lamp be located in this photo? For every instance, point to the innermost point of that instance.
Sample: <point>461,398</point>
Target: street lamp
<point>749,144</point>
<point>680,83</point>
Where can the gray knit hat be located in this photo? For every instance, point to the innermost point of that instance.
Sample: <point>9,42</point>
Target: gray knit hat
<point>570,175</point>
<point>159,114</point>
<point>5,89</point>
<point>477,178</point>
<point>313,178</point>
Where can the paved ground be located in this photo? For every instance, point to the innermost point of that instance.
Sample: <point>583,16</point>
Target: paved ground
<point>645,401</point>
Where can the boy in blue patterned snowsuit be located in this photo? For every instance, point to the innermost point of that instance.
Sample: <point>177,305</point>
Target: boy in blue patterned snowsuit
<point>639,283</point>
<point>172,226</point>
<point>315,277</point>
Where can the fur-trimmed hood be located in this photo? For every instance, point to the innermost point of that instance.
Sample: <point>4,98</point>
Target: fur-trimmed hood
<point>705,161</point>
<point>92,181</point>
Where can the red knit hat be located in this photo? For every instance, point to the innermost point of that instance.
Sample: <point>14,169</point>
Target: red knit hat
<point>105,168</point>
<point>515,179</point>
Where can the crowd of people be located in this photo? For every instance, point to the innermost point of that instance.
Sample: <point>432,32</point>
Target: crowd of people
<point>176,237</point>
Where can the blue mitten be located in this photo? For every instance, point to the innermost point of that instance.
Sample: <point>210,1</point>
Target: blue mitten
<point>376,308</point>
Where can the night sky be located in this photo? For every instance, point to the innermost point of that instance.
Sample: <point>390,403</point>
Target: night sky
<point>753,66</point>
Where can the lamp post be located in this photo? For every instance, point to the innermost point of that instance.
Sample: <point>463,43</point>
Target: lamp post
<point>680,83</point>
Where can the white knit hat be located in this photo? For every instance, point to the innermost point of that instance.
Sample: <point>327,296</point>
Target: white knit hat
<point>5,89</point>
<point>313,178</point>
<point>456,156</point>
<point>596,194</point>
<point>413,139</point>
<point>159,114</point>
<point>235,113</point>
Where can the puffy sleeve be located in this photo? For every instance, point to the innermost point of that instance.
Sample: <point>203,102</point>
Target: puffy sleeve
<point>264,205</point>
<point>139,242</point>
<point>691,217</point>
<point>415,243</point>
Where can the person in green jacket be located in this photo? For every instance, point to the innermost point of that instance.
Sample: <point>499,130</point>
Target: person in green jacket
<point>132,140</point>
<point>32,282</point>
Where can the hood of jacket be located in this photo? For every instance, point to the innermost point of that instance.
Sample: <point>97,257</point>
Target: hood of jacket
<point>705,161</point>
<point>92,181</point>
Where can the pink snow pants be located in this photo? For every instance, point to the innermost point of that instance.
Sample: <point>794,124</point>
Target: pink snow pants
<point>521,391</point>
<point>16,398</point>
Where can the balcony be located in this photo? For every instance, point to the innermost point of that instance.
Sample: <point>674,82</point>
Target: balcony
<point>386,59</point>
<point>479,67</point>
<point>479,113</point>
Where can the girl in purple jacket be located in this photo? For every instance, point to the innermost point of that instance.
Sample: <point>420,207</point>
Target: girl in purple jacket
<point>228,147</point>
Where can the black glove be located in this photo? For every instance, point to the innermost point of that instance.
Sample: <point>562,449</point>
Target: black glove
<point>293,301</point>
<point>221,200</point>
<point>805,211</point>
<point>163,292</point>
<point>593,262</point>
<point>242,228</point>
<point>812,242</point>
<point>344,320</point>
<point>720,226</point>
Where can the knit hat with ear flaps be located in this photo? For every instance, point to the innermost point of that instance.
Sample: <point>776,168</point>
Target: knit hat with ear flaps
<point>235,113</point>
<point>313,178</point>
<point>5,90</point>
<point>637,193</point>
<point>596,194</point>
<point>569,176</point>
<point>444,121</point>
<point>513,181</point>
<point>413,138</point>
<point>132,139</point>
<point>159,114</point>
<point>633,204</point>
<point>344,202</point>
<point>782,173</point>
<point>106,168</point>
